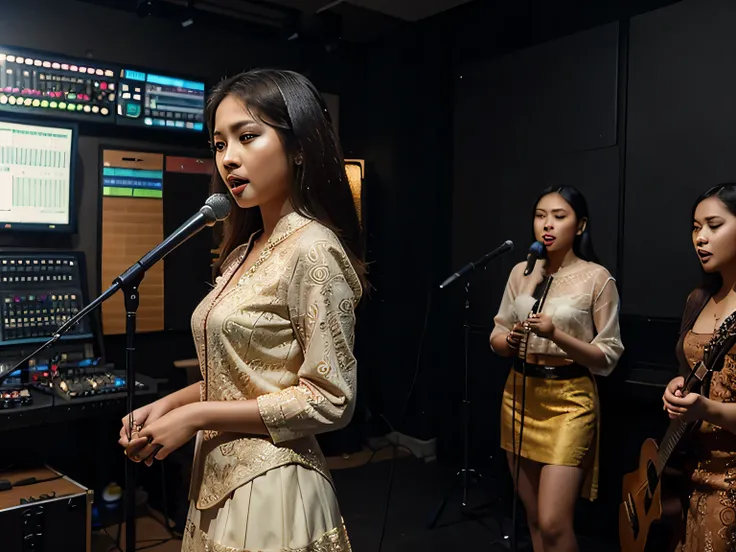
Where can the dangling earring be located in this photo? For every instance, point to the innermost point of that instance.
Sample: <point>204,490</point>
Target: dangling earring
<point>299,159</point>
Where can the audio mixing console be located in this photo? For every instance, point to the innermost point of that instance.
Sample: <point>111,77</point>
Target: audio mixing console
<point>36,82</point>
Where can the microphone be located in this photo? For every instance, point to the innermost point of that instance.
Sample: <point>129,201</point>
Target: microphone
<point>505,247</point>
<point>536,251</point>
<point>216,208</point>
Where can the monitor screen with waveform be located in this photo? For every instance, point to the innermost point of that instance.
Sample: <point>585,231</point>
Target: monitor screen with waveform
<point>37,176</point>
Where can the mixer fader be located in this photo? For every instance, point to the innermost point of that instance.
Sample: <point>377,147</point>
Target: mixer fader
<point>39,293</point>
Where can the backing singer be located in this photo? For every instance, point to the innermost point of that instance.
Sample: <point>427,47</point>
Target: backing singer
<point>275,336</point>
<point>711,450</point>
<point>576,333</point>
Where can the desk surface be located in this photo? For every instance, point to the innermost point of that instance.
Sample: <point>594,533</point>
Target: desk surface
<point>61,487</point>
<point>48,408</point>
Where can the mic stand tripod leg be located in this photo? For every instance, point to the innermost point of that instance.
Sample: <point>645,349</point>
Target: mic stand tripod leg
<point>132,301</point>
<point>466,475</point>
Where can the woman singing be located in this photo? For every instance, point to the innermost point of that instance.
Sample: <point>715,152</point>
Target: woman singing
<point>574,334</point>
<point>275,336</point>
<point>711,515</point>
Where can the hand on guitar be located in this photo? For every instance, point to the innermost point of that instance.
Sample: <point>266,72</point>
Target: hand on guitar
<point>688,407</point>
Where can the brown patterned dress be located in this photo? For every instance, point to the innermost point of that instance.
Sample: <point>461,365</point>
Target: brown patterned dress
<point>711,516</point>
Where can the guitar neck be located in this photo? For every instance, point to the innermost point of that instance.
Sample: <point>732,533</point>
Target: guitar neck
<point>677,428</point>
<point>669,442</point>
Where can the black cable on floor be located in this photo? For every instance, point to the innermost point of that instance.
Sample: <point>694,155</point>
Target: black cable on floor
<point>401,421</point>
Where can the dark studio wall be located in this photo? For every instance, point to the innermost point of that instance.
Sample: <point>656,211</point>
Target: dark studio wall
<point>681,138</point>
<point>83,29</point>
<point>637,113</point>
<point>398,102</point>
<point>396,114</point>
<point>539,117</point>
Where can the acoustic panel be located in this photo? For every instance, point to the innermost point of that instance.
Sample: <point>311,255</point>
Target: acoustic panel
<point>547,100</point>
<point>131,226</point>
<point>680,142</point>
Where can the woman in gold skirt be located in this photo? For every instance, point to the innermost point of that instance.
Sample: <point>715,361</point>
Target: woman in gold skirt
<point>711,450</point>
<point>560,322</point>
<point>275,336</point>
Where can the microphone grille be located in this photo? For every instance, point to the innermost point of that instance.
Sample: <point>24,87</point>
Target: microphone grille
<point>537,248</point>
<point>220,205</point>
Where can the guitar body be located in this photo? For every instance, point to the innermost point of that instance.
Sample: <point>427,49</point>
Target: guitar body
<point>641,504</point>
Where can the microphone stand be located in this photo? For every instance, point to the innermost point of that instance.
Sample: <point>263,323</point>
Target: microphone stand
<point>132,301</point>
<point>128,282</point>
<point>466,474</point>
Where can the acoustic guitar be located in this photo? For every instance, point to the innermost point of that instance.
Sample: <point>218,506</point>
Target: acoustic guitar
<point>642,491</point>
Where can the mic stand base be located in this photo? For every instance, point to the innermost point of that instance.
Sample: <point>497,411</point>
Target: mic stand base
<point>132,301</point>
<point>466,476</point>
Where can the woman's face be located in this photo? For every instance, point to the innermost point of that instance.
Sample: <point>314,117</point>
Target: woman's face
<point>555,223</point>
<point>250,156</point>
<point>714,234</point>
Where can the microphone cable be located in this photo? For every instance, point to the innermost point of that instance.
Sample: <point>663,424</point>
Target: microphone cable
<point>517,454</point>
<point>537,308</point>
<point>402,418</point>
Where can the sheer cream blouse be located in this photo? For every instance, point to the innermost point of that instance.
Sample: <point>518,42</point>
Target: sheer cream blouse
<point>582,301</point>
<point>282,335</point>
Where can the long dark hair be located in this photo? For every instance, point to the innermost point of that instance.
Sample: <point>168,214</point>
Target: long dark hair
<point>290,104</point>
<point>583,244</point>
<point>726,192</point>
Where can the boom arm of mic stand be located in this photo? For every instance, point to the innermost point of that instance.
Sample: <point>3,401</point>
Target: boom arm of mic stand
<point>480,263</point>
<point>129,285</point>
<point>131,277</point>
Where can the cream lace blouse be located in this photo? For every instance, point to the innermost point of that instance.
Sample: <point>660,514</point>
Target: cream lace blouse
<point>582,301</point>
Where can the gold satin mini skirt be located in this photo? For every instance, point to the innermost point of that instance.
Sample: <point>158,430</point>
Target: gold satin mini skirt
<point>561,423</point>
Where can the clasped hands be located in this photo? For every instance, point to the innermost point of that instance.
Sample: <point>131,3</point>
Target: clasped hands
<point>157,431</point>
<point>539,324</point>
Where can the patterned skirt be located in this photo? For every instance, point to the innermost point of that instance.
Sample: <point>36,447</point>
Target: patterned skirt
<point>710,525</point>
<point>561,423</point>
<point>287,509</point>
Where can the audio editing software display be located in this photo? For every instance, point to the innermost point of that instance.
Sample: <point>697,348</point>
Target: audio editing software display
<point>160,101</point>
<point>121,182</point>
<point>46,83</point>
<point>36,170</point>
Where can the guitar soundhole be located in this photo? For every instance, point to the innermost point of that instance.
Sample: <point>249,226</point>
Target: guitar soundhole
<point>652,478</point>
<point>633,519</point>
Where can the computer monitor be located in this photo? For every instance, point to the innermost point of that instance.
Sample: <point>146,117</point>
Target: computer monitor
<point>37,175</point>
<point>159,101</point>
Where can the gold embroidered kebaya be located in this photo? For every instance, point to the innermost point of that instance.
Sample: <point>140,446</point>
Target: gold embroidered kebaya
<point>283,335</point>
